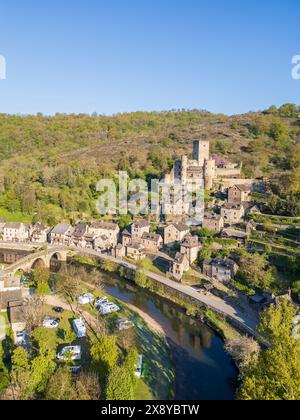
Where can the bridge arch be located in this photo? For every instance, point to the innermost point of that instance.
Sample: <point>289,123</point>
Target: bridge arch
<point>39,263</point>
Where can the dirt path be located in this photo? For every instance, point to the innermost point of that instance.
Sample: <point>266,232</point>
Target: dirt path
<point>58,301</point>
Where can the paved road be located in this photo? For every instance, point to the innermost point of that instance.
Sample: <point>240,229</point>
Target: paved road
<point>248,320</point>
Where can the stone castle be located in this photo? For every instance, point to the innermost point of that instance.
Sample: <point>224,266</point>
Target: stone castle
<point>205,169</point>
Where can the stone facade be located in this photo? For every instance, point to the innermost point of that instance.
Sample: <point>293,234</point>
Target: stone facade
<point>232,214</point>
<point>103,228</point>
<point>175,232</point>
<point>214,223</point>
<point>203,169</point>
<point>152,242</point>
<point>239,194</point>
<point>190,247</point>
<point>178,267</point>
<point>220,269</point>
<point>15,232</point>
<point>136,252</point>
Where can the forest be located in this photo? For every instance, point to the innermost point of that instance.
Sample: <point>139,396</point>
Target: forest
<point>50,165</point>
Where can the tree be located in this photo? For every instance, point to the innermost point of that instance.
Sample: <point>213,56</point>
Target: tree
<point>60,386</point>
<point>276,373</point>
<point>44,341</point>
<point>243,350</point>
<point>109,266</point>
<point>34,312</point>
<point>69,280</point>
<point>105,354</point>
<point>141,275</point>
<point>255,271</point>
<point>88,387</point>
<point>41,278</point>
<point>120,386</point>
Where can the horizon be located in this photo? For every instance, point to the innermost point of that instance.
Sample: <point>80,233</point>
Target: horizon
<point>121,58</point>
<point>163,111</point>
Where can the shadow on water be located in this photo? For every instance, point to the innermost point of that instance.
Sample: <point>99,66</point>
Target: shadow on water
<point>203,369</point>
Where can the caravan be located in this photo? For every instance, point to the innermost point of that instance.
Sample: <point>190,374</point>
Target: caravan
<point>79,328</point>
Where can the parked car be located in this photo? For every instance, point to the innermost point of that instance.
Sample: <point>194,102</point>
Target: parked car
<point>108,308</point>
<point>21,338</point>
<point>124,324</point>
<point>86,299</point>
<point>79,328</point>
<point>58,310</point>
<point>75,370</point>
<point>101,301</point>
<point>51,323</point>
<point>139,370</point>
<point>70,353</point>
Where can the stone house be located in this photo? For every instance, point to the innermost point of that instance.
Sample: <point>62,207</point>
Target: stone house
<point>126,236</point>
<point>235,234</point>
<point>175,232</point>
<point>136,252</point>
<point>220,269</point>
<point>190,247</point>
<point>119,251</point>
<point>78,235</point>
<point>10,290</point>
<point>17,317</point>
<point>238,194</point>
<point>152,242</point>
<point>139,228</point>
<point>213,223</point>
<point>102,243</point>
<point>108,229</point>
<point>232,214</point>
<point>38,233</point>
<point>15,232</point>
<point>178,267</point>
<point>61,234</point>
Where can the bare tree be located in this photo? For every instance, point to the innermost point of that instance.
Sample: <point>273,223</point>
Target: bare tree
<point>88,387</point>
<point>34,312</point>
<point>243,350</point>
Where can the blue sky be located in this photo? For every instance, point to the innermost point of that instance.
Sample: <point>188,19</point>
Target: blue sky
<point>73,56</point>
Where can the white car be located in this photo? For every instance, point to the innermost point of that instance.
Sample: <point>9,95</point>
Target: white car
<point>70,353</point>
<point>101,301</point>
<point>86,299</point>
<point>51,323</point>
<point>124,324</point>
<point>21,338</point>
<point>108,308</point>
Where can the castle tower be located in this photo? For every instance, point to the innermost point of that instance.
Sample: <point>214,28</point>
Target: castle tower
<point>201,151</point>
<point>184,169</point>
<point>209,173</point>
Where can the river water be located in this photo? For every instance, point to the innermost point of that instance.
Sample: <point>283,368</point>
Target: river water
<point>203,369</point>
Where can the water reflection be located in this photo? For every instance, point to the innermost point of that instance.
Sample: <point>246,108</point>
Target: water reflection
<point>203,369</point>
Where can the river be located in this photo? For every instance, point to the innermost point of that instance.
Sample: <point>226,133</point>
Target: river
<point>204,371</point>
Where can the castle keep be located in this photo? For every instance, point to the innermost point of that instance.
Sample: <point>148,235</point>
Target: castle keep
<point>203,168</point>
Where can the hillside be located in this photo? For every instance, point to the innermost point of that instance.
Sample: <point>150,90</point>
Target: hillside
<point>49,166</point>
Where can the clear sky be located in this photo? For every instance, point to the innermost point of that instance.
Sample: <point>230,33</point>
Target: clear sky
<point>73,56</point>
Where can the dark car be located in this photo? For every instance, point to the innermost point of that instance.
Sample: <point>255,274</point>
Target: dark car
<point>58,310</point>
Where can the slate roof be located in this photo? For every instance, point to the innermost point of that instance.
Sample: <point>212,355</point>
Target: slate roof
<point>61,229</point>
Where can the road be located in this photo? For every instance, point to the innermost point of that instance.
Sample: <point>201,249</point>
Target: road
<point>246,319</point>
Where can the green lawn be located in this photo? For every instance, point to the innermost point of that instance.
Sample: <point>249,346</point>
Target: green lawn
<point>157,356</point>
<point>143,392</point>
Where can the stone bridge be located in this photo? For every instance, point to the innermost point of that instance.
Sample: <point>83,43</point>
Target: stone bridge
<point>41,258</point>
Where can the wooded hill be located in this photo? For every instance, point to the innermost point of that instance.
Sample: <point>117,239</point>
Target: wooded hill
<point>49,166</point>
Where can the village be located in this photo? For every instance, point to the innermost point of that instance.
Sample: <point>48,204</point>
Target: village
<point>205,256</point>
